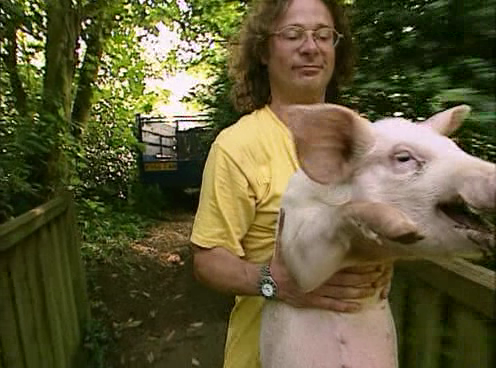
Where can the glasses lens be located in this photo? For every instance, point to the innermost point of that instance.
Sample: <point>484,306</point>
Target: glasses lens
<point>292,33</point>
<point>324,34</point>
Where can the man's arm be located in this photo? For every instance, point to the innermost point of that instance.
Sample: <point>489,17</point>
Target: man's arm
<point>222,270</point>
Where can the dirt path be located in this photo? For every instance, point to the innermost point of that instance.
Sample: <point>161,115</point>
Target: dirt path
<point>160,316</point>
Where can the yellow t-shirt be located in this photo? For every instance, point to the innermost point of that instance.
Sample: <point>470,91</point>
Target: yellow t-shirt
<point>247,171</point>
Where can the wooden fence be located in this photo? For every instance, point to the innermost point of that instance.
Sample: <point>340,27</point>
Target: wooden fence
<point>444,314</point>
<point>43,301</point>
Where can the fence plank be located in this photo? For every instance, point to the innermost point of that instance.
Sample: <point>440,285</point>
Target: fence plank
<point>13,356</point>
<point>76,263</point>
<point>467,283</point>
<point>24,307</point>
<point>57,229</point>
<point>54,316</point>
<point>472,340</point>
<point>21,227</point>
<point>60,296</point>
<point>425,329</point>
<point>37,287</point>
<point>398,300</point>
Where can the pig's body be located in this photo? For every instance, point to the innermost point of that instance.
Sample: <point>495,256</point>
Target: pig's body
<point>298,338</point>
<point>369,193</point>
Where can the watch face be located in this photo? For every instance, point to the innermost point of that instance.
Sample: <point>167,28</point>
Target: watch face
<point>267,290</point>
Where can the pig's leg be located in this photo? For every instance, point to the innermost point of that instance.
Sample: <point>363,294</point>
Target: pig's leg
<point>379,220</point>
<point>310,338</point>
<point>315,241</point>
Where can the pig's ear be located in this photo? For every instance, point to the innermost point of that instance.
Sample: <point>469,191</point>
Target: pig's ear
<point>448,121</point>
<point>328,139</point>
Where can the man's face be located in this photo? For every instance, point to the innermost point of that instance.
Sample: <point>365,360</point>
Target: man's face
<point>300,69</point>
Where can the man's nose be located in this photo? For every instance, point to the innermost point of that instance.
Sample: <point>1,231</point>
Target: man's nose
<point>309,43</point>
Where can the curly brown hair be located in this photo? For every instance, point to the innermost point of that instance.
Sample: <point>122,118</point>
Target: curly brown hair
<point>250,89</point>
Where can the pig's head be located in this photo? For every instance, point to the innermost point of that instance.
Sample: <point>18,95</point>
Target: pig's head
<point>413,167</point>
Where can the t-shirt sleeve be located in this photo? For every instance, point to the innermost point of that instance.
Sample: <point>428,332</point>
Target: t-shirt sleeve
<point>227,203</point>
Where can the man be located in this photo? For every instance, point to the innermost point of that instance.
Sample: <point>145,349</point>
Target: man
<point>290,52</point>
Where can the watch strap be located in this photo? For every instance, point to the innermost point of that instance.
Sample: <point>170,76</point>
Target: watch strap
<point>265,270</point>
<point>267,279</point>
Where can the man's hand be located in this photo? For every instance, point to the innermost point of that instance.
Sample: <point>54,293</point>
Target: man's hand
<point>341,293</point>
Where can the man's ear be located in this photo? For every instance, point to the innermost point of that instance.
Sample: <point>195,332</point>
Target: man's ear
<point>328,139</point>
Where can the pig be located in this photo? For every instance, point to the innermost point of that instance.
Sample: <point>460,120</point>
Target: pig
<point>367,193</point>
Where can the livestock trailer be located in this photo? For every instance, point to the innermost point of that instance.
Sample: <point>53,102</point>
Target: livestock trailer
<point>175,149</point>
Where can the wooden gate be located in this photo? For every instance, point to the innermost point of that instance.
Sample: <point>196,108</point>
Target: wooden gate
<point>444,314</point>
<point>43,300</point>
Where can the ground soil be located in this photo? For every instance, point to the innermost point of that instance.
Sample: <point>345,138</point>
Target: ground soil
<point>157,313</point>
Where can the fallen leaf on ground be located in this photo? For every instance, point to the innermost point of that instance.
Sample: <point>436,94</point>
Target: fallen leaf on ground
<point>196,324</point>
<point>150,357</point>
<point>174,258</point>
<point>130,323</point>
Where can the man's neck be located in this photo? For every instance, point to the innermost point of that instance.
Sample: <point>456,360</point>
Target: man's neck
<point>278,106</point>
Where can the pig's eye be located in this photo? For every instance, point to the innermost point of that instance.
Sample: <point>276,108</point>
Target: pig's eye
<point>403,156</point>
<point>404,160</point>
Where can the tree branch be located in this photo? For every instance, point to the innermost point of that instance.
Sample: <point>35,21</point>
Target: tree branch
<point>10,60</point>
<point>88,73</point>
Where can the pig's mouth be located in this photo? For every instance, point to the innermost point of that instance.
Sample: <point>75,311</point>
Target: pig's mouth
<point>474,224</point>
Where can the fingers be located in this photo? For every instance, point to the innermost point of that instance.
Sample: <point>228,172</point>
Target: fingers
<point>363,269</point>
<point>344,292</point>
<point>363,276</point>
<point>389,277</point>
<point>385,277</point>
<point>336,305</point>
<point>344,278</point>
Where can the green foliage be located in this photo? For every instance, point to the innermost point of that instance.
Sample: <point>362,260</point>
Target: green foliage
<point>415,57</point>
<point>215,98</point>
<point>13,169</point>
<point>107,230</point>
<point>38,153</point>
<point>418,57</point>
<point>96,343</point>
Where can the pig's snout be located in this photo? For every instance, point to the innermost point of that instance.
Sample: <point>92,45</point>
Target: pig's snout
<point>479,191</point>
<point>473,209</point>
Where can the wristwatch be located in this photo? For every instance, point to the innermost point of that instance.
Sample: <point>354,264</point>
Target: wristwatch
<point>266,284</point>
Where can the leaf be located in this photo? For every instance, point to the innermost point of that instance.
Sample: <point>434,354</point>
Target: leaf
<point>150,357</point>
<point>196,324</point>
<point>170,335</point>
<point>133,323</point>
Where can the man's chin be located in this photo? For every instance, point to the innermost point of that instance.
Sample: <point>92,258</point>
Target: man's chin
<point>310,86</point>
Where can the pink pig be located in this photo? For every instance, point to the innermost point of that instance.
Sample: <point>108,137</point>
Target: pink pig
<point>367,193</point>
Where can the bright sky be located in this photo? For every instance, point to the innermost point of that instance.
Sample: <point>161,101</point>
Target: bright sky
<point>179,84</point>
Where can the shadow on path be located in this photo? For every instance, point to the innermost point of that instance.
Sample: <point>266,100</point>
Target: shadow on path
<point>159,314</point>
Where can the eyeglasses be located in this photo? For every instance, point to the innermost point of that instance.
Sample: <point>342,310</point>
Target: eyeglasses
<point>295,35</point>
